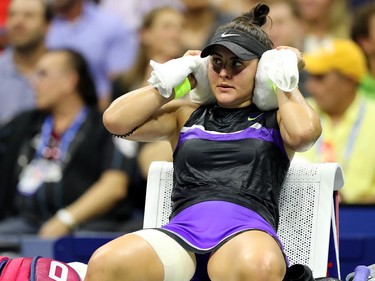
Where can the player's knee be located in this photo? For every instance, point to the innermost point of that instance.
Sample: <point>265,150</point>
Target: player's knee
<point>97,265</point>
<point>264,266</point>
<point>250,266</point>
<point>105,263</point>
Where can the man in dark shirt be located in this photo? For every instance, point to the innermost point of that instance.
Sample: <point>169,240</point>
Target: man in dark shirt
<point>59,167</point>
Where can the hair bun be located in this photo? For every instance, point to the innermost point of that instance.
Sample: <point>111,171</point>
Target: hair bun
<point>261,10</point>
<point>259,14</point>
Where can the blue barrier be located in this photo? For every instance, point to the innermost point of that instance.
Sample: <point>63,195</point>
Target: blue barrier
<point>66,249</point>
<point>69,249</point>
<point>356,237</point>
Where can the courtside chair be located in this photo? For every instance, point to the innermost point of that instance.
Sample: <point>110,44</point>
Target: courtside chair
<point>307,214</point>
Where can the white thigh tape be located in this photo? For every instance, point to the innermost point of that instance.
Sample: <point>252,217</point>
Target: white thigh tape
<point>178,263</point>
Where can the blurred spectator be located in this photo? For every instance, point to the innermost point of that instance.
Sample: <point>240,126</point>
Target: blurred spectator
<point>27,24</point>
<point>100,36</point>
<point>202,19</point>
<point>58,165</point>
<point>236,7</point>
<point>363,32</point>
<point>347,117</point>
<point>3,39</point>
<point>285,29</point>
<point>133,11</point>
<point>323,20</point>
<point>355,4</point>
<point>160,40</point>
<point>3,15</point>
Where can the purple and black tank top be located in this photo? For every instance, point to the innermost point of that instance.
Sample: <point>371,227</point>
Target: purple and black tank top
<point>229,167</point>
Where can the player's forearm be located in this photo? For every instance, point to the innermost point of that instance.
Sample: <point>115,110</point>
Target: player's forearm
<point>132,110</point>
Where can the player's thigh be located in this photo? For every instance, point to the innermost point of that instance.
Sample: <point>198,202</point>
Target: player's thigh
<point>178,263</point>
<point>128,257</point>
<point>143,255</point>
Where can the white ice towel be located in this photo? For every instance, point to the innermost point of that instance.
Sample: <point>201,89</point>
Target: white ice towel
<point>278,67</point>
<point>167,75</point>
<point>202,93</point>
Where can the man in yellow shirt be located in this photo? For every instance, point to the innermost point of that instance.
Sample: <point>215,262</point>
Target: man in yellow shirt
<point>347,117</point>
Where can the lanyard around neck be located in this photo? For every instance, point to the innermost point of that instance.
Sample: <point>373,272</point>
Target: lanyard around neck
<point>66,138</point>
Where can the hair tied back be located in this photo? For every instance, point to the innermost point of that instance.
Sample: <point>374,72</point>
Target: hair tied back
<point>259,13</point>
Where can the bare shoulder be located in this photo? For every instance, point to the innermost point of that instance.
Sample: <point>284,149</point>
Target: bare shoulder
<point>183,110</point>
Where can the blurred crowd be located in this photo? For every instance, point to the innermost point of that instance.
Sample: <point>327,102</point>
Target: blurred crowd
<point>62,62</point>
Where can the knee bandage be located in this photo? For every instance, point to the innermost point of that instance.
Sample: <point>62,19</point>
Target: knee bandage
<point>178,263</point>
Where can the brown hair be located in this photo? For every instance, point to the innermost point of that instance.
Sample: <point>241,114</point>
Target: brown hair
<point>137,72</point>
<point>361,21</point>
<point>85,85</point>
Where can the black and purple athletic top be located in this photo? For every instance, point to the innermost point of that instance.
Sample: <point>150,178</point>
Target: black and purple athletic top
<point>229,167</point>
